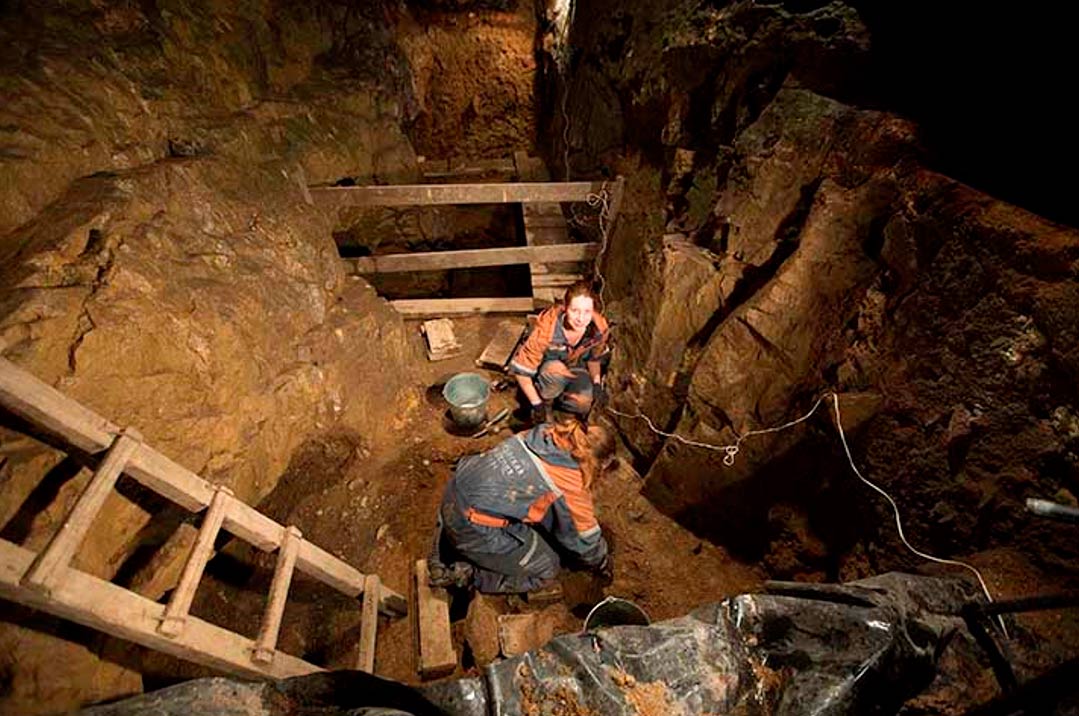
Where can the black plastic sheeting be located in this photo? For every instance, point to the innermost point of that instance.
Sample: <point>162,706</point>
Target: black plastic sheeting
<point>859,648</point>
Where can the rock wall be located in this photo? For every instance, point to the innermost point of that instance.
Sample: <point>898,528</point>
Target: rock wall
<point>779,243</point>
<point>158,263</point>
<point>473,72</point>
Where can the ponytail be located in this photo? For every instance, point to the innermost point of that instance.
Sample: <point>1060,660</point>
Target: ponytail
<point>591,446</point>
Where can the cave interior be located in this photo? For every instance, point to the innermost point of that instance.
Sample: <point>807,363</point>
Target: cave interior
<point>843,251</point>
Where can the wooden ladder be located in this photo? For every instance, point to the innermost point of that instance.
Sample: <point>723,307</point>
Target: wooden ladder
<point>48,582</point>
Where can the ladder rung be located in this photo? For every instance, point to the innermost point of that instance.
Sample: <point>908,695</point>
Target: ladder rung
<point>175,617</point>
<point>372,588</point>
<point>50,563</point>
<point>266,642</point>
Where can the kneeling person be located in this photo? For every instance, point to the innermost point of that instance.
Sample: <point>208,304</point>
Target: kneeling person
<point>498,502</point>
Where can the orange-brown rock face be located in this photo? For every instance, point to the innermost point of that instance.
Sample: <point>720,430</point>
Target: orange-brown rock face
<point>158,263</point>
<point>781,245</point>
<point>474,73</point>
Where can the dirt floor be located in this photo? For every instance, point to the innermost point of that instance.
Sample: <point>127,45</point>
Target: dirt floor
<point>376,510</point>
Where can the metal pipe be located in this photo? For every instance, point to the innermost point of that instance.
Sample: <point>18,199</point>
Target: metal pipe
<point>1045,508</point>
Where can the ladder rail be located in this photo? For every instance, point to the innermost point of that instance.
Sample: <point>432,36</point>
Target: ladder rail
<point>109,608</point>
<point>42,405</point>
<point>46,581</point>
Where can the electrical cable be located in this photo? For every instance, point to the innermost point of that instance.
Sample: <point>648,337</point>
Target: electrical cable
<point>732,450</point>
<point>899,523</point>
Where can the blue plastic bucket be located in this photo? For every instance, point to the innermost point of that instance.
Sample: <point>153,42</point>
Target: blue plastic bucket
<point>467,394</point>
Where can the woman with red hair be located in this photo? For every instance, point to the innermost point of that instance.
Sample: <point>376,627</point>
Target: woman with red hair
<point>501,506</point>
<point>564,353</point>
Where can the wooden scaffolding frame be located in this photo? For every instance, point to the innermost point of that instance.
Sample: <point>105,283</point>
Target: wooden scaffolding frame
<point>48,582</point>
<point>546,234</point>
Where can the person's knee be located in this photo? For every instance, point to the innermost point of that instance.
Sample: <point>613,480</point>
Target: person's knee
<point>542,562</point>
<point>552,378</point>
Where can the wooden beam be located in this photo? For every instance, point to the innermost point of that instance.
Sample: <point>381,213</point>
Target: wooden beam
<point>114,610</point>
<point>556,280</point>
<point>614,206</point>
<point>266,642</point>
<point>431,194</point>
<point>180,603</point>
<point>435,655</point>
<point>471,258</point>
<point>46,569</point>
<point>453,306</point>
<point>369,624</point>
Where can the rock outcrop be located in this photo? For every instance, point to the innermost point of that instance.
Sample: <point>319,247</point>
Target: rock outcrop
<point>826,258</point>
<point>159,264</point>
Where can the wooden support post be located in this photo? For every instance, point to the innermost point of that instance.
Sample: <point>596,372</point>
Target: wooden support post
<point>266,643</point>
<point>614,205</point>
<point>180,603</point>
<point>369,624</point>
<point>435,655</point>
<point>50,563</point>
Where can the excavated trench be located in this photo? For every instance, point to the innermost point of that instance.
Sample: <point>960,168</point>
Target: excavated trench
<point>778,242</point>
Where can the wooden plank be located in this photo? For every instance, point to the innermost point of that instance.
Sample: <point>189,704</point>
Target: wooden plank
<point>444,170</point>
<point>369,624</point>
<point>443,306</point>
<point>266,642</point>
<point>54,412</point>
<point>471,258</point>
<point>114,610</point>
<point>180,602</point>
<point>434,640</point>
<point>432,194</point>
<point>556,280</point>
<point>441,341</point>
<point>57,555</point>
<point>498,351</point>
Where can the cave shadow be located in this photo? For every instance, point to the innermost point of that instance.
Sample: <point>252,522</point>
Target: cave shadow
<point>812,477</point>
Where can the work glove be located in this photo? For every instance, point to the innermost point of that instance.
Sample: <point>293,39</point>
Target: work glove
<point>604,571</point>
<point>599,396</point>
<point>539,414</point>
